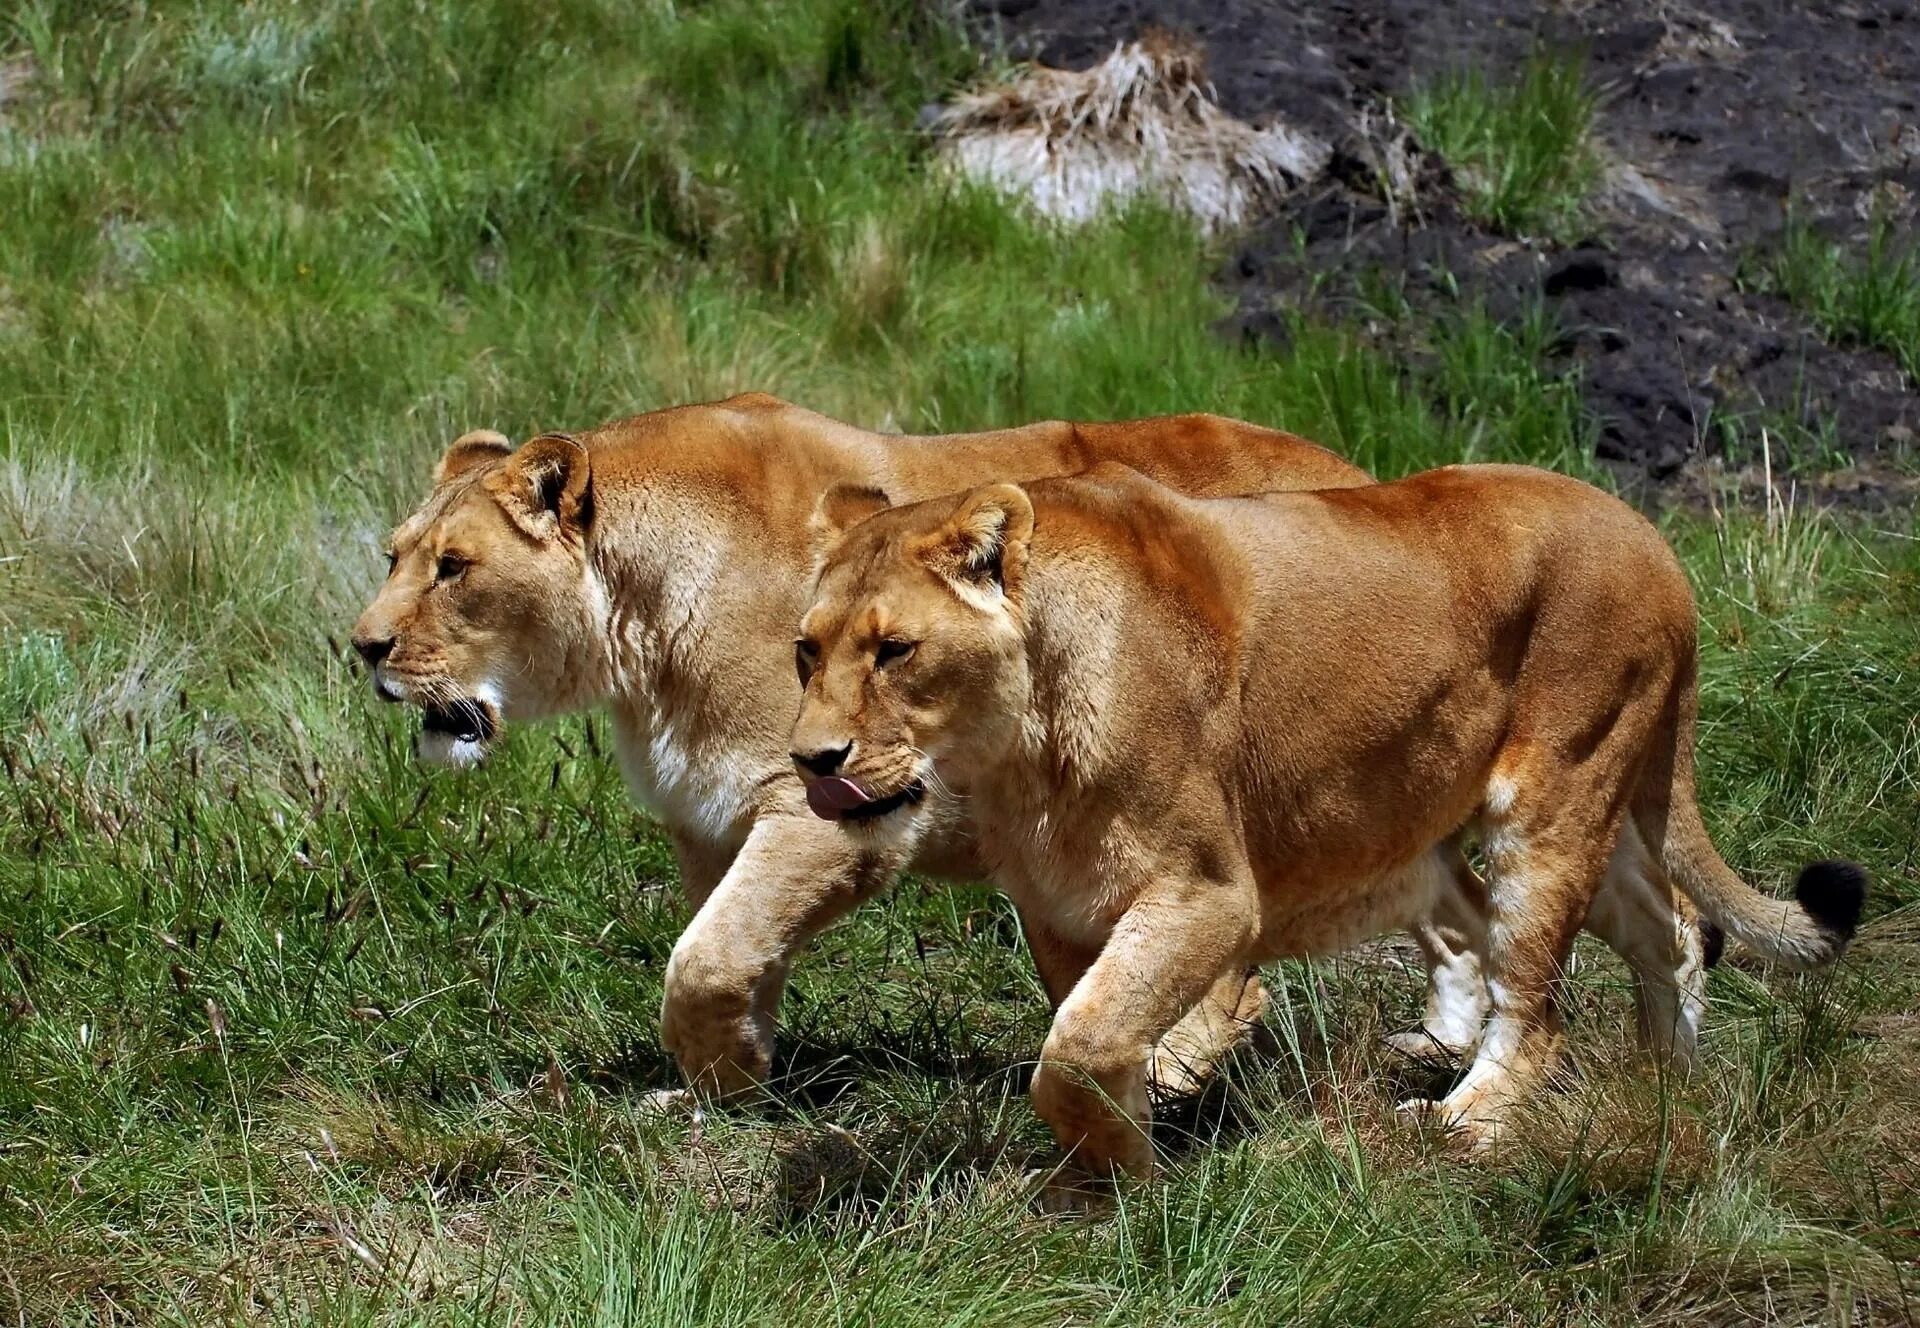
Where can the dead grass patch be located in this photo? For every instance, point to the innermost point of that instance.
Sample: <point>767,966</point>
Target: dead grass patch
<point>1143,123</point>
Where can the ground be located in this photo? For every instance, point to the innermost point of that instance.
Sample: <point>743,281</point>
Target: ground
<point>1718,128</point>
<point>291,1029</point>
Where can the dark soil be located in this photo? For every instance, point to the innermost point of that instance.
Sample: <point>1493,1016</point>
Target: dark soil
<point>1713,118</point>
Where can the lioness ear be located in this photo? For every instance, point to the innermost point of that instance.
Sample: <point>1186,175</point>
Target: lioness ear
<point>840,508</point>
<point>982,550</point>
<point>470,450</point>
<point>545,487</point>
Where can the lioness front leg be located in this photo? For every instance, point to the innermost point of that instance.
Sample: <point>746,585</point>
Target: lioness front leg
<point>793,876</point>
<point>1186,1058</point>
<point>702,864</point>
<point>1164,955</point>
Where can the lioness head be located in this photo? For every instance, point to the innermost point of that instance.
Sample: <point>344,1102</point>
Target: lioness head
<point>490,610</point>
<point>913,652</point>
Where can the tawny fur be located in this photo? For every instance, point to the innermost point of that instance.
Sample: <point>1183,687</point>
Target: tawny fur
<point>656,567</point>
<point>1199,734</point>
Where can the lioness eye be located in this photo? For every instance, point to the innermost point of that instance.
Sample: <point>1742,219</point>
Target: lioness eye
<point>393,561</point>
<point>889,651</point>
<point>805,655</point>
<point>450,566</point>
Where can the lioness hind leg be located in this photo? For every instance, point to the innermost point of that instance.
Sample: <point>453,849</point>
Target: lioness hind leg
<point>1163,957</point>
<point>1647,924</point>
<point>1548,850</point>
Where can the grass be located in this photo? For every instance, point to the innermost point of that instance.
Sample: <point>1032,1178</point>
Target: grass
<point>290,1030</point>
<point>1865,298</point>
<point>1520,149</point>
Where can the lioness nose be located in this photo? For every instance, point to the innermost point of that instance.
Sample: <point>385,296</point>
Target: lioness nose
<point>824,761</point>
<point>373,649</point>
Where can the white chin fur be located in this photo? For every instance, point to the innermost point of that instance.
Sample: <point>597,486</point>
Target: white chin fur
<point>443,749</point>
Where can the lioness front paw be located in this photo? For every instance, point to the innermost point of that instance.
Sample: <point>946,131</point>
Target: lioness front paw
<point>1188,1057</point>
<point>1063,1192</point>
<point>671,1102</point>
<point>1172,1075</point>
<point>1417,1044</point>
<point>1465,1130</point>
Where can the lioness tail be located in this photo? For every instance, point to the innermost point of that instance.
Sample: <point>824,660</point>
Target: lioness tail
<point>1809,930</point>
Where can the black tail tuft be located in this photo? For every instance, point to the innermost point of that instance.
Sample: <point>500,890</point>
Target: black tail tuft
<point>1712,941</point>
<point>1832,893</point>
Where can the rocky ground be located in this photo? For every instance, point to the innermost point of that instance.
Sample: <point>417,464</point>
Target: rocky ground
<point>1714,120</point>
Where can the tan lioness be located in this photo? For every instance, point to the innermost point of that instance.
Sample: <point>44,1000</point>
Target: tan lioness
<point>1195,734</point>
<point>656,566</point>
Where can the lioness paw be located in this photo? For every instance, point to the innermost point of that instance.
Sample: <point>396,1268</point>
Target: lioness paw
<point>1465,1131</point>
<point>1417,1044</point>
<point>671,1102</point>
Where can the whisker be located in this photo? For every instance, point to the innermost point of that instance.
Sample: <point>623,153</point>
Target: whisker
<point>932,778</point>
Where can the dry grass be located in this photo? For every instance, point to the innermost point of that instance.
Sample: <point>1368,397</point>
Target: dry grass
<point>1141,123</point>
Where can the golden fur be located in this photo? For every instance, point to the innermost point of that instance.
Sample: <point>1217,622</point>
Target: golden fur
<point>655,567</point>
<point>1197,734</point>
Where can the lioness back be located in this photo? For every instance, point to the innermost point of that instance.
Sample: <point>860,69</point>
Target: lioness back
<point>775,458</point>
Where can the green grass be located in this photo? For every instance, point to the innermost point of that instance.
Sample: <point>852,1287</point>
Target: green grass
<point>1867,298</point>
<point>292,1030</point>
<point>1520,148</point>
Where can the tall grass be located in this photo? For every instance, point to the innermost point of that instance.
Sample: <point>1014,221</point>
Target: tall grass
<point>291,1030</point>
<point>1520,148</point>
<point>1868,298</point>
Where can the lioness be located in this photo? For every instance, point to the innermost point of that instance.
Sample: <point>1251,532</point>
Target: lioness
<point>1196,734</point>
<point>656,566</point>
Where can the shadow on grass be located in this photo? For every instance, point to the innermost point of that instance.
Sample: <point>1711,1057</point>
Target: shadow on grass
<point>814,1073</point>
<point>1269,1074</point>
<point>826,1171</point>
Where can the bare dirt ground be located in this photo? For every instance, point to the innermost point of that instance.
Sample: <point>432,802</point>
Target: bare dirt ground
<point>1713,119</point>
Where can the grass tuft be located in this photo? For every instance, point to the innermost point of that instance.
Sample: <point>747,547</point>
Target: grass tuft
<point>1522,150</point>
<point>1869,299</point>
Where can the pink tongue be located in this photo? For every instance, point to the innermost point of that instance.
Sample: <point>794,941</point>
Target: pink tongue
<point>833,795</point>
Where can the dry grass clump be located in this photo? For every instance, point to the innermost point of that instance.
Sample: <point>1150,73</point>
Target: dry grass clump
<point>1141,123</point>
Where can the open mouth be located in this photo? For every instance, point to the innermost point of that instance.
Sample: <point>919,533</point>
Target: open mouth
<point>837,799</point>
<point>463,721</point>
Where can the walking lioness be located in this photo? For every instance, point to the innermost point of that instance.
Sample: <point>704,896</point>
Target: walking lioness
<point>1195,734</point>
<point>655,566</point>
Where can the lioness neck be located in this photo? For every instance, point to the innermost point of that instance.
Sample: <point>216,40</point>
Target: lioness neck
<point>701,554</point>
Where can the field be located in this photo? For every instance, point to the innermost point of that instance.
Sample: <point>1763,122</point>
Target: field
<point>292,1030</point>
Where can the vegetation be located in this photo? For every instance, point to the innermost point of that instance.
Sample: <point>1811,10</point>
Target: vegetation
<point>1870,298</point>
<point>1521,149</point>
<point>292,1030</point>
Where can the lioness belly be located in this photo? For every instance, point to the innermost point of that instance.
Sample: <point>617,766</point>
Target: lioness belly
<point>1327,917</point>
